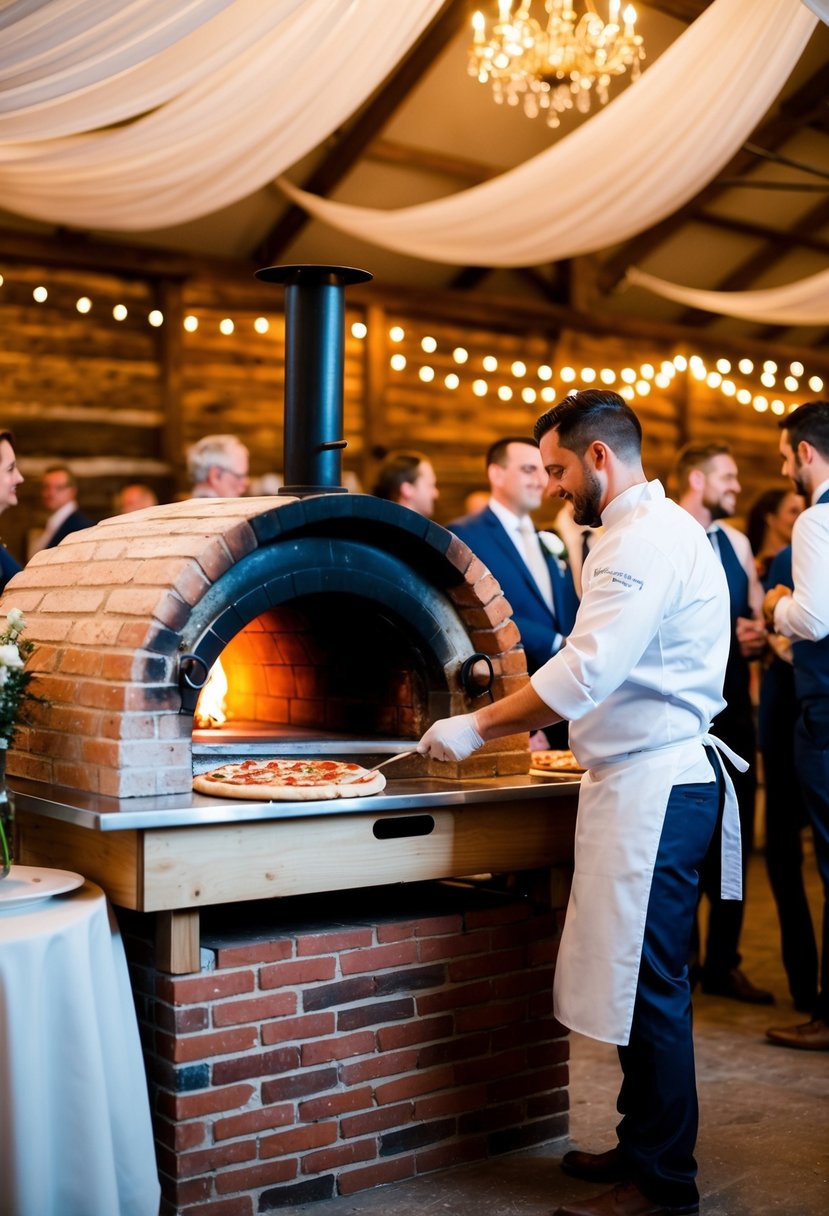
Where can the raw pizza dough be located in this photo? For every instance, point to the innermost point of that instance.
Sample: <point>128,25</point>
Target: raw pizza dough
<point>289,780</point>
<point>543,763</point>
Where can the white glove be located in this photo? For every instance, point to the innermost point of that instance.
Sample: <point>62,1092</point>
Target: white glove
<point>451,739</point>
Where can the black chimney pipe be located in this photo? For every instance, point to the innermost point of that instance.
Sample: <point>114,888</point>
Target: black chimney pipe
<point>314,374</point>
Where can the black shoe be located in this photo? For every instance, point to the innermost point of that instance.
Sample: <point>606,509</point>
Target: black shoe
<point>738,987</point>
<point>596,1167</point>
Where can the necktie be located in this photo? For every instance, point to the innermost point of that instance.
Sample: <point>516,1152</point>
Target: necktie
<point>535,560</point>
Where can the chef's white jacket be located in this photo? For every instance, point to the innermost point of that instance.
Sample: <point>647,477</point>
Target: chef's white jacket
<point>640,679</point>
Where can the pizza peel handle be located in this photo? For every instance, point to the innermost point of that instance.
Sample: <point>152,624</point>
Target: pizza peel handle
<point>371,771</point>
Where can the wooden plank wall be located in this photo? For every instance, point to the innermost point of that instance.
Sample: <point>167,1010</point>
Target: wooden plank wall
<point>120,400</point>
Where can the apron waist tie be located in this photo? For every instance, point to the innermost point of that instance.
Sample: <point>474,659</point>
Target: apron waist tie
<point>731,867</point>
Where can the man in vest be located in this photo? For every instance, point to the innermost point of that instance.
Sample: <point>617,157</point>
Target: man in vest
<point>803,616</point>
<point>708,486</point>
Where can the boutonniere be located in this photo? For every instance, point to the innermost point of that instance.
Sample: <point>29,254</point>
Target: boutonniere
<point>553,546</point>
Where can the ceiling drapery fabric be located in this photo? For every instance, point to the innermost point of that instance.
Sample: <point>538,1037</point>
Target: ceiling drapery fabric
<point>805,302</point>
<point>76,65</point>
<point>820,8</point>
<point>637,161</point>
<point>290,81</point>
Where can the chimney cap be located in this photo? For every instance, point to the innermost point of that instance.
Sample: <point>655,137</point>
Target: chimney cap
<point>312,275</point>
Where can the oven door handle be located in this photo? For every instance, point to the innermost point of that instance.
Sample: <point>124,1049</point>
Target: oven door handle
<point>471,682</point>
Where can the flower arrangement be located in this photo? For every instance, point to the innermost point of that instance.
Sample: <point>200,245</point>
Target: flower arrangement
<point>14,678</point>
<point>14,691</point>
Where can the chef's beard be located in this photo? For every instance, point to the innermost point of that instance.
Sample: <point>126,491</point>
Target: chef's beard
<point>586,506</point>
<point>800,486</point>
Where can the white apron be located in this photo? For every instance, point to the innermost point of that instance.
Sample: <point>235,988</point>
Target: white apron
<point>622,805</point>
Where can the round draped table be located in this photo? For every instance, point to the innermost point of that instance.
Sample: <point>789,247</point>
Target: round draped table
<point>75,1132</point>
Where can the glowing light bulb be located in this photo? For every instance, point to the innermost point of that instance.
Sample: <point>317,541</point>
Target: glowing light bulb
<point>84,304</point>
<point>479,388</point>
<point>262,325</point>
<point>397,333</point>
<point>156,318</point>
<point>191,324</point>
<point>226,326</point>
<point>545,372</point>
<point>460,355</point>
<point>429,345</point>
<point>489,363</point>
<point>359,330</point>
<point>451,380</point>
<point>119,312</point>
<point>41,295</point>
<point>397,362</point>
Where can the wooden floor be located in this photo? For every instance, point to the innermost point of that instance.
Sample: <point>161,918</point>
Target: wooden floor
<point>764,1138</point>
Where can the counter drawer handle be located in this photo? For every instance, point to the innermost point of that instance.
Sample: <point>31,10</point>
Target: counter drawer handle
<point>406,825</point>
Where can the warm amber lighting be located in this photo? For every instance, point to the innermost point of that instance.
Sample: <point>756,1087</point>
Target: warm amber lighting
<point>551,65</point>
<point>210,707</point>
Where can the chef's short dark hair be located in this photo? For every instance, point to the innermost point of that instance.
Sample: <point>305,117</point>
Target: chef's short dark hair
<point>8,436</point>
<point>809,422</point>
<point>593,414</point>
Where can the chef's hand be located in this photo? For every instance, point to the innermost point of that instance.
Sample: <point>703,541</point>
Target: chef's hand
<point>451,738</point>
<point>751,636</point>
<point>771,601</point>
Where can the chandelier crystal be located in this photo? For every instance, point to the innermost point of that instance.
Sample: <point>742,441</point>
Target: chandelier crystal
<point>554,67</point>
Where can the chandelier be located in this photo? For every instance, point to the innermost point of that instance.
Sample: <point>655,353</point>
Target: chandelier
<point>554,67</point>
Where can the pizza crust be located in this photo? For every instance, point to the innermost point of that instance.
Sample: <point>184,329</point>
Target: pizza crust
<point>554,762</point>
<point>273,792</point>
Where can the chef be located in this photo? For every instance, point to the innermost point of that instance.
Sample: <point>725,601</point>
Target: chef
<point>640,679</point>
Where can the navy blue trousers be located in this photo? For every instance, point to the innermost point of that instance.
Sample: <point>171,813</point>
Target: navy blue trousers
<point>811,747</point>
<point>658,1097</point>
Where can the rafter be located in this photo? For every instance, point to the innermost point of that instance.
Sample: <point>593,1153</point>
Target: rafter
<point>799,109</point>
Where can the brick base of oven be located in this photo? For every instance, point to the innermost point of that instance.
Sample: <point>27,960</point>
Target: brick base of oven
<point>333,1044</point>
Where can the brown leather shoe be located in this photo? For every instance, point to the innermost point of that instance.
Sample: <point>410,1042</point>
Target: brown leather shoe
<point>738,987</point>
<point>596,1167</point>
<point>624,1200</point>
<point>808,1036</point>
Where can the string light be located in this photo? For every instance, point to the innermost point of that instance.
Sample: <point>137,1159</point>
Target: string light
<point>633,383</point>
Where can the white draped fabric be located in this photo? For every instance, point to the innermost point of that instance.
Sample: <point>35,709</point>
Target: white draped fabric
<point>242,90</point>
<point>820,8</point>
<point>638,160</point>
<point>803,303</point>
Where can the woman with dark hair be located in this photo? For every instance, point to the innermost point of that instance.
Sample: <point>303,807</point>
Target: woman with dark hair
<point>769,526</point>
<point>10,479</point>
<point>770,523</point>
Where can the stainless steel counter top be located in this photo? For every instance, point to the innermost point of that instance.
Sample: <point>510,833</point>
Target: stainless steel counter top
<point>416,796</point>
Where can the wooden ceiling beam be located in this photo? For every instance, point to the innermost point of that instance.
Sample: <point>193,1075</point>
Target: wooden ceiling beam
<point>742,276</point>
<point>809,101</point>
<point>784,240</point>
<point>374,116</point>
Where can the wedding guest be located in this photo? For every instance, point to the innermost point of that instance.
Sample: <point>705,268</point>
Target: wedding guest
<point>218,467</point>
<point>408,478</point>
<point>769,526</point>
<point>135,497</point>
<point>10,479</point>
<point>59,492</point>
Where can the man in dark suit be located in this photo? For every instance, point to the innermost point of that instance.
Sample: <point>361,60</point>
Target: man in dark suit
<point>59,492</point>
<point>802,615</point>
<point>709,485</point>
<point>537,584</point>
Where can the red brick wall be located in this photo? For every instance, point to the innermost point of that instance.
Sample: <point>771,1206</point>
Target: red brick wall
<point>109,609</point>
<point>311,1061</point>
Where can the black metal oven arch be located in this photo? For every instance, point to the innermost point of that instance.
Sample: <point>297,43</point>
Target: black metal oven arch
<point>303,566</point>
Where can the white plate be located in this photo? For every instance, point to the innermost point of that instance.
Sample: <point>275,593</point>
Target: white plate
<point>29,884</point>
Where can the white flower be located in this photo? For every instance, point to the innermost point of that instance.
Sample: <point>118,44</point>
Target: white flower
<point>15,620</point>
<point>552,542</point>
<point>10,656</point>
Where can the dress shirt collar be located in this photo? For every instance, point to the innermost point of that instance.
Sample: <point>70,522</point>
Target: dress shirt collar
<point>511,522</point>
<point>821,489</point>
<point>629,499</point>
<point>58,517</point>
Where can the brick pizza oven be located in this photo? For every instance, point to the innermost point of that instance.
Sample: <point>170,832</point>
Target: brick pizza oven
<point>327,1000</point>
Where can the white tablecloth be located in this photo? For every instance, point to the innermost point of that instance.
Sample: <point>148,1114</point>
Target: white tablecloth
<point>75,1133</point>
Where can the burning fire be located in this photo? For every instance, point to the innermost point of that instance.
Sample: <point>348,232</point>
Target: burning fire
<point>210,708</point>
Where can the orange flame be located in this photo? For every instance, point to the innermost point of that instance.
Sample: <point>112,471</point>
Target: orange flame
<point>210,708</point>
